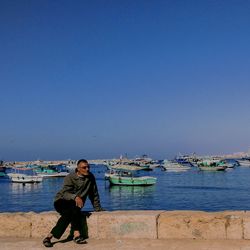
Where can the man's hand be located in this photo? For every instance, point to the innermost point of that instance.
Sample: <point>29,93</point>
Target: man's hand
<point>79,202</point>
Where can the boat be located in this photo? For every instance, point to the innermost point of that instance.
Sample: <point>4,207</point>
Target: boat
<point>2,174</point>
<point>24,175</point>
<point>110,172</point>
<point>2,169</point>
<point>244,162</point>
<point>212,165</point>
<point>24,178</point>
<point>129,164</point>
<point>129,178</point>
<point>53,171</point>
<point>173,166</point>
<point>126,165</point>
<point>132,181</point>
<point>231,163</point>
<point>184,160</point>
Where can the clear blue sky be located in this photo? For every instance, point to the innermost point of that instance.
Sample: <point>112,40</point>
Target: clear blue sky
<point>97,79</point>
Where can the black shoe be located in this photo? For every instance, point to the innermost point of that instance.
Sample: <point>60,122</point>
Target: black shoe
<point>80,240</point>
<point>47,242</point>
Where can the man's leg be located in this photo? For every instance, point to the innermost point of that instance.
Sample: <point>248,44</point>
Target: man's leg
<point>68,212</point>
<point>76,220</point>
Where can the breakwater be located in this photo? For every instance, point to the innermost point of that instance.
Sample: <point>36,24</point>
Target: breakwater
<point>152,224</point>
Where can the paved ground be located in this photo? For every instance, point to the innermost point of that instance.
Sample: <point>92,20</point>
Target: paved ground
<point>139,244</point>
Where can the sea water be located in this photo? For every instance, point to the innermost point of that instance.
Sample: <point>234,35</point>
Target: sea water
<point>191,190</point>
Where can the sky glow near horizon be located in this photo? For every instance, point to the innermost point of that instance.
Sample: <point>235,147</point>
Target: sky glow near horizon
<point>97,79</point>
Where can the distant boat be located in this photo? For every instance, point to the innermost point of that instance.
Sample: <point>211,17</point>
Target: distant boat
<point>128,178</point>
<point>127,167</point>
<point>244,162</point>
<point>231,163</point>
<point>173,166</point>
<point>184,160</point>
<point>212,165</point>
<point>52,171</point>
<point>2,174</point>
<point>130,164</point>
<point>110,172</point>
<point>2,169</point>
<point>24,175</point>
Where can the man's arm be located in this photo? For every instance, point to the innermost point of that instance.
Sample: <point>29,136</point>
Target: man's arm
<point>94,196</point>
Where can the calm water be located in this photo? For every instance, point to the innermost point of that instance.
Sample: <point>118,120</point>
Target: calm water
<point>191,190</point>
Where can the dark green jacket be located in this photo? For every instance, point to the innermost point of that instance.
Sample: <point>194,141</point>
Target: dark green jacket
<point>80,186</point>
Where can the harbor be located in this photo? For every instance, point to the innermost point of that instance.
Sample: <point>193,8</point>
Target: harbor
<point>188,188</point>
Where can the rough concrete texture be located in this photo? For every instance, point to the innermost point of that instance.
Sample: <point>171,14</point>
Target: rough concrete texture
<point>127,244</point>
<point>229,225</point>
<point>16,224</point>
<point>129,224</point>
<point>203,225</point>
<point>246,225</point>
<point>191,225</point>
<point>42,223</point>
<point>234,224</point>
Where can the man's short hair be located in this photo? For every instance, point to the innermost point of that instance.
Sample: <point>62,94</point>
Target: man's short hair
<point>82,160</point>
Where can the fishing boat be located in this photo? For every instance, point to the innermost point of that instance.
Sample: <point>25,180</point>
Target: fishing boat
<point>128,167</point>
<point>127,164</point>
<point>110,172</point>
<point>184,160</point>
<point>2,169</point>
<point>212,165</point>
<point>244,162</point>
<point>173,166</point>
<point>52,171</point>
<point>129,178</point>
<point>24,175</point>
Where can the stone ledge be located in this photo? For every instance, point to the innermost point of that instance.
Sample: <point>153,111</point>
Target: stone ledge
<point>129,224</point>
<point>135,225</point>
<point>201,225</point>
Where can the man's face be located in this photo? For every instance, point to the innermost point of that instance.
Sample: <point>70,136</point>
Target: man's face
<point>83,168</point>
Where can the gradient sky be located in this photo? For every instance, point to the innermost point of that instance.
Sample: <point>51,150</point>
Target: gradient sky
<point>96,79</point>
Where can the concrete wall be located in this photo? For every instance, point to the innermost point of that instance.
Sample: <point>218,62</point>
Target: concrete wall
<point>135,224</point>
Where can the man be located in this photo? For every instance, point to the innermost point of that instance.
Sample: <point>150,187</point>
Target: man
<point>70,199</point>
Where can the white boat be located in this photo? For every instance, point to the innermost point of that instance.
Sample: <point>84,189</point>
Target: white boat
<point>24,175</point>
<point>244,162</point>
<point>24,178</point>
<point>71,166</point>
<point>172,166</point>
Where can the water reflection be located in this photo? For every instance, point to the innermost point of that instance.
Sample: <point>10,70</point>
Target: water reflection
<point>131,191</point>
<point>17,188</point>
<point>129,197</point>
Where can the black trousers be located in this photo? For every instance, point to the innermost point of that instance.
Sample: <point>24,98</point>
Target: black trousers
<point>70,213</point>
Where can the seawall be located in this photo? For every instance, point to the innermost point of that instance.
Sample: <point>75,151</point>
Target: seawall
<point>158,224</point>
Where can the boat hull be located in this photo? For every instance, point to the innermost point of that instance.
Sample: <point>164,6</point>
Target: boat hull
<point>23,178</point>
<point>207,168</point>
<point>132,181</point>
<point>244,163</point>
<point>47,175</point>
